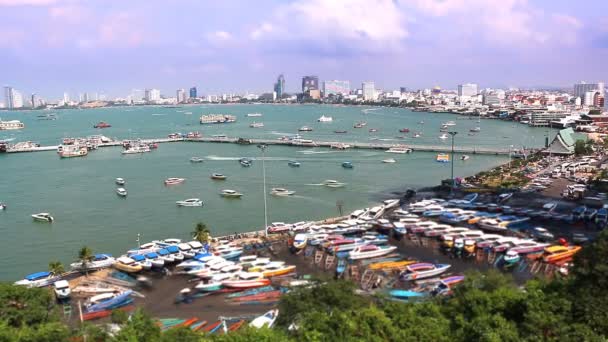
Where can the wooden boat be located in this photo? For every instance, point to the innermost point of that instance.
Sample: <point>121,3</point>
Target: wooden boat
<point>245,284</point>
<point>277,271</point>
<point>209,287</point>
<point>236,326</point>
<point>198,326</point>
<point>556,253</point>
<point>370,251</point>
<point>105,313</point>
<point>423,270</point>
<point>391,264</point>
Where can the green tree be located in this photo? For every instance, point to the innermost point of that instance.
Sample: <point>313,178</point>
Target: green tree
<point>139,328</point>
<point>201,233</point>
<point>21,306</point>
<point>56,267</point>
<point>581,148</point>
<point>181,334</point>
<point>85,256</point>
<point>119,316</point>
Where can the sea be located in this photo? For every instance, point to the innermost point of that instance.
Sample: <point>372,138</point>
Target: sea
<point>80,192</point>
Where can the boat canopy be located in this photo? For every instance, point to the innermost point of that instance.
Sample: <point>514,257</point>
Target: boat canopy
<point>102,256</point>
<point>163,252</point>
<point>137,257</point>
<point>151,255</point>
<point>38,275</point>
<point>172,249</point>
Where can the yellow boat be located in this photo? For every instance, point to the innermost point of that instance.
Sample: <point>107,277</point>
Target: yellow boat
<point>448,242</point>
<point>474,220</point>
<point>127,264</point>
<point>559,252</point>
<point>391,264</point>
<point>281,270</point>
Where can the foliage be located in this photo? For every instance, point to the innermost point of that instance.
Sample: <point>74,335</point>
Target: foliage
<point>56,267</point>
<point>119,316</point>
<point>140,327</point>
<point>21,306</point>
<point>85,256</point>
<point>201,233</point>
<point>582,148</point>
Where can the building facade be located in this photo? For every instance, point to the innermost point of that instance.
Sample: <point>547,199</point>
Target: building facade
<point>193,93</point>
<point>8,97</point>
<point>369,91</point>
<point>310,83</point>
<point>279,86</point>
<point>467,90</point>
<point>180,96</point>
<point>581,90</point>
<point>152,95</point>
<point>335,87</point>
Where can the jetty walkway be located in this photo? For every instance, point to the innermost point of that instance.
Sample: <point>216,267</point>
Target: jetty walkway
<point>326,144</point>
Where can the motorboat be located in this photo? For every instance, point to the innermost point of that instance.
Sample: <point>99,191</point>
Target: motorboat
<point>475,129</point>
<point>43,217</point>
<point>443,136</point>
<point>347,165</point>
<point>443,158</point>
<point>120,181</point>
<point>191,202</point>
<point>2,206</point>
<point>449,123</point>
<point>324,118</point>
<point>102,124</point>
<point>293,163</point>
<point>542,234</point>
<point>266,320</point>
<point>126,264</point>
<point>423,270</point>
<point>433,210</point>
<point>186,250</point>
<point>218,176</point>
<point>154,259</point>
<point>106,301</point>
<point>305,129</point>
<point>589,214</point>
<point>399,150</point>
<point>245,284</point>
<point>370,251</point>
<point>254,115</point>
<point>122,192</point>
<point>175,252</point>
<point>256,125</point>
<point>360,124</point>
<point>164,254</point>
<point>436,230</point>
<point>372,130</point>
<point>528,246</point>
<point>300,241</point>
<point>99,261</point>
<point>245,162</point>
<point>502,198</point>
<point>196,160</point>
<point>274,270</point>
<point>281,192</point>
<point>39,279</point>
<point>330,183</point>
<point>61,289</point>
<point>135,149</point>
<point>231,253</point>
<point>140,259</point>
<point>558,253</point>
<point>389,161</point>
<point>174,181</point>
<point>578,213</point>
<point>209,286</point>
<point>404,130</point>
<point>464,157</point>
<point>340,131</point>
<point>230,194</point>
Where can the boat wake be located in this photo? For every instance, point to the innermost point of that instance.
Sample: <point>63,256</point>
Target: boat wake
<point>282,133</point>
<point>316,152</point>
<point>158,114</point>
<point>6,140</point>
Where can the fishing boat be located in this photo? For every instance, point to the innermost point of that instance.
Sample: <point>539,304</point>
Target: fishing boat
<point>191,202</point>
<point>122,192</point>
<point>370,251</point>
<point>305,129</point>
<point>273,270</point>
<point>293,163</point>
<point>61,289</point>
<point>127,264</point>
<point>266,320</point>
<point>389,161</point>
<point>245,284</point>
<point>423,270</point>
<point>347,165</point>
<point>196,160</point>
<point>281,192</point>
<point>443,158</point>
<point>43,217</point>
<point>208,287</point>
<point>39,279</point>
<point>557,253</point>
<point>218,176</point>
<point>120,181</point>
<point>107,300</point>
<point>174,181</point>
<point>102,124</point>
<point>230,193</point>
<point>330,183</point>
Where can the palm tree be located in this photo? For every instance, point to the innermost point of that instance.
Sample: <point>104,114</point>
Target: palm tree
<point>201,233</point>
<point>56,267</point>
<point>85,255</point>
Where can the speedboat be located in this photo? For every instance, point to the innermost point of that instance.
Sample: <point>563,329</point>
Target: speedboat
<point>347,165</point>
<point>557,253</point>
<point>2,206</point>
<point>370,251</point>
<point>443,136</point>
<point>174,181</point>
<point>245,163</point>
<point>293,163</point>
<point>98,261</point>
<point>208,287</point>
<point>186,250</point>
<point>274,270</point>
<point>218,176</point>
<point>191,202</point>
<point>256,125</point>
<point>140,259</point>
<point>404,130</point>
<point>246,283</point>
<point>266,320</point>
<point>542,234</point>
<point>511,257</point>
<point>423,270</point>
<point>39,279</point>
<point>126,264</point>
<point>464,157</point>
<point>122,192</point>
<point>120,181</point>
<point>105,301</point>
<point>61,289</point>
<point>333,183</point>
<point>305,129</point>
<point>196,160</point>
<point>324,118</point>
<point>281,192</point>
<point>589,215</point>
<point>578,213</point>
<point>175,252</point>
<point>389,161</point>
<point>43,217</point>
<point>230,194</point>
<point>300,241</point>
<point>399,150</point>
<point>449,123</point>
<point>165,255</point>
<point>525,247</point>
<point>154,259</point>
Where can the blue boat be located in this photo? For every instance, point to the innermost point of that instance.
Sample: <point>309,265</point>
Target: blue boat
<point>293,163</point>
<point>578,213</point>
<point>341,266</point>
<point>601,218</point>
<point>199,256</point>
<point>406,294</point>
<point>107,301</point>
<point>347,165</point>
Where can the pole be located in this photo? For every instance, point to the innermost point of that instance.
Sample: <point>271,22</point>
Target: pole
<point>452,156</point>
<point>263,148</point>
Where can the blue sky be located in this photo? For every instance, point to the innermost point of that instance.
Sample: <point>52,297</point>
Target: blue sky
<point>112,46</point>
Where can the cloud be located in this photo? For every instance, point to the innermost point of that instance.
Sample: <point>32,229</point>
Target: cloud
<point>219,36</point>
<point>26,2</point>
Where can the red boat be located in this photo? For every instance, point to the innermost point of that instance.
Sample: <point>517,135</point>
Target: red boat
<point>102,124</point>
<point>404,130</point>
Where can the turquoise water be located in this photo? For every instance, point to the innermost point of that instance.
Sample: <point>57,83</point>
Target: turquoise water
<point>79,192</point>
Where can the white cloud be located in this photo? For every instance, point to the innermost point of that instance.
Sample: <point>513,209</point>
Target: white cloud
<point>26,2</point>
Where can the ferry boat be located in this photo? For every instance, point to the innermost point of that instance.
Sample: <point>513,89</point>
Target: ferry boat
<point>217,119</point>
<point>254,115</point>
<point>324,118</point>
<point>191,202</point>
<point>174,181</point>
<point>399,149</point>
<point>281,192</point>
<point>230,193</point>
<point>11,125</point>
<point>256,125</point>
<point>360,124</point>
<point>122,192</point>
<point>443,158</point>
<point>305,129</point>
<point>102,124</point>
<point>70,151</point>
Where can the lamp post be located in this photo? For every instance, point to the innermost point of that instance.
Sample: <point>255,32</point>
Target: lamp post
<point>263,148</point>
<point>452,156</point>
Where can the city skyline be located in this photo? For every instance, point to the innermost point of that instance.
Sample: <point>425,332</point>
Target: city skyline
<point>57,46</point>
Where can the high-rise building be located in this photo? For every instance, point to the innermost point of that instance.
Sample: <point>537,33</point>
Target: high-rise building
<point>599,100</point>
<point>8,97</point>
<point>467,90</point>
<point>279,86</point>
<point>335,87</point>
<point>580,90</point>
<point>152,95</point>
<point>85,97</point>
<point>193,93</point>
<point>181,95</point>
<point>35,101</point>
<point>589,97</point>
<point>66,97</point>
<point>369,91</point>
<point>403,90</point>
<point>310,83</point>
<point>17,99</point>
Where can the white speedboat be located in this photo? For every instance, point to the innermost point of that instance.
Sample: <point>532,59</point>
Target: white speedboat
<point>449,123</point>
<point>2,206</point>
<point>281,192</point>
<point>230,194</point>
<point>266,320</point>
<point>122,192</point>
<point>370,251</point>
<point>43,217</point>
<point>256,125</point>
<point>389,161</point>
<point>330,183</point>
<point>324,118</point>
<point>62,289</point>
<point>254,115</point>
<point>464,157</point>
<point>305,129</point>
<point>186,250</point>
<point>120,181</point>
<point>98,261</point>
<point>423,270</point>
<point>191,202</point>
<point>399,150</point>
<point>39,279</point>
<point>443,136</point>
<point>196,160</point>
<point>174,181</point>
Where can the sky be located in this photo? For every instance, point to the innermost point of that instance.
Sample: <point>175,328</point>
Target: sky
<point>113,46</point>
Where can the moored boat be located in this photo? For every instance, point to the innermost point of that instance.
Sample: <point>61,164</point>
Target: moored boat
<point>230,193</point>
<point>557,253</point>
<point>423,270</point>
<point>370,251</point>
<point>127,264</point>
<point>266,320</point>
<point>61,289</point>
<point>174,181</point>
<point>98,261</point>
<point>39,279</point>
<point>218,176</point>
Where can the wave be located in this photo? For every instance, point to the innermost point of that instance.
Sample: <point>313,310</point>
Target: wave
<point>282,133</point>
<point>316,152</point>
<point>158,114</point>
<point>6,140</point>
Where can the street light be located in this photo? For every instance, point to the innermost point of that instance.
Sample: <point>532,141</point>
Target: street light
<point>263,148</point>
<point>452,156</point>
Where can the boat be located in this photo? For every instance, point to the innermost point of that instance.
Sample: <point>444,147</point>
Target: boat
<point>254,115</point>
<point>135,149</point>
<point>389,161</point>
<point>406,294</point>
<point>404,130</point>
<point>218,176</point>
<point>305,129</point>
<point>578,213</point>
<point>281,192</point>
<point>373,130</point>
<point>98,261</point>
<point>140,259</point>
<point>542,234</point>
<point>43,217</point>
<point>347,165</point>
<point>360,124</point>
<point>443,136</point>
<point>70,151</point>
<point>11,125</point>
<point>266,320</point>
<point>300,241</point>
<point>217,119</point>
<point>399,150</point>
<point>324,118</point>
<point>230,193</point>
<point>122,192</point>
<point>61,289</point>
<point>423,270</point>
<point>502,198</point>
<point>196,160</point>
<point>107,300</point>
<point>443,158</point>
<point>245,162</point>
<point>208,287</point>
<point>449,123</point>
<point>464,157</point>
<point>154,259</point>
<point>511,257</point>
<point>193,135</point>
<point>2,206</point>
<point>120,181</point>
<point>39,279</point>
<point>126,264</point>
<point>475,129</point>
<point>417,135</point>
<point>445,285</point>
<point>102,124</point>
<point>330,183</point>
<point>174,181</point>
<point>191,202</point>
<point>370,251</point>
<point>245,284</point>
<point>557,253</point>
<point>293,163</point>
<point>256,125</point>
<point>340,132</point>
<point>278,269</point>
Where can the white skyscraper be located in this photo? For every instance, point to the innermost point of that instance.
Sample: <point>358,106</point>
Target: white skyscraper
<point>467,90</point>
<point>181,95</point>
<point>369,91</point>
<point>8,97</point>
<point>66,97</point>
<point>152,95</point>
<point>581,89</point>
<point>17,99</point>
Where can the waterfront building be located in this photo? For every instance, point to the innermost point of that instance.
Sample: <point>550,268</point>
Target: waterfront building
<point>467,90</point>
<point>491,98</point>
<point>180,95</point>
<point>152,95</point>
<point>335,87</point>
<point>279,86</point>
<point>564,141</point>
<point>314,94</point>
<point>581,89</point>
<point>310,83</point>
<point>66,98</point>
<point>369,91</point>
<point>193,92</point>
<point>8,97</point>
